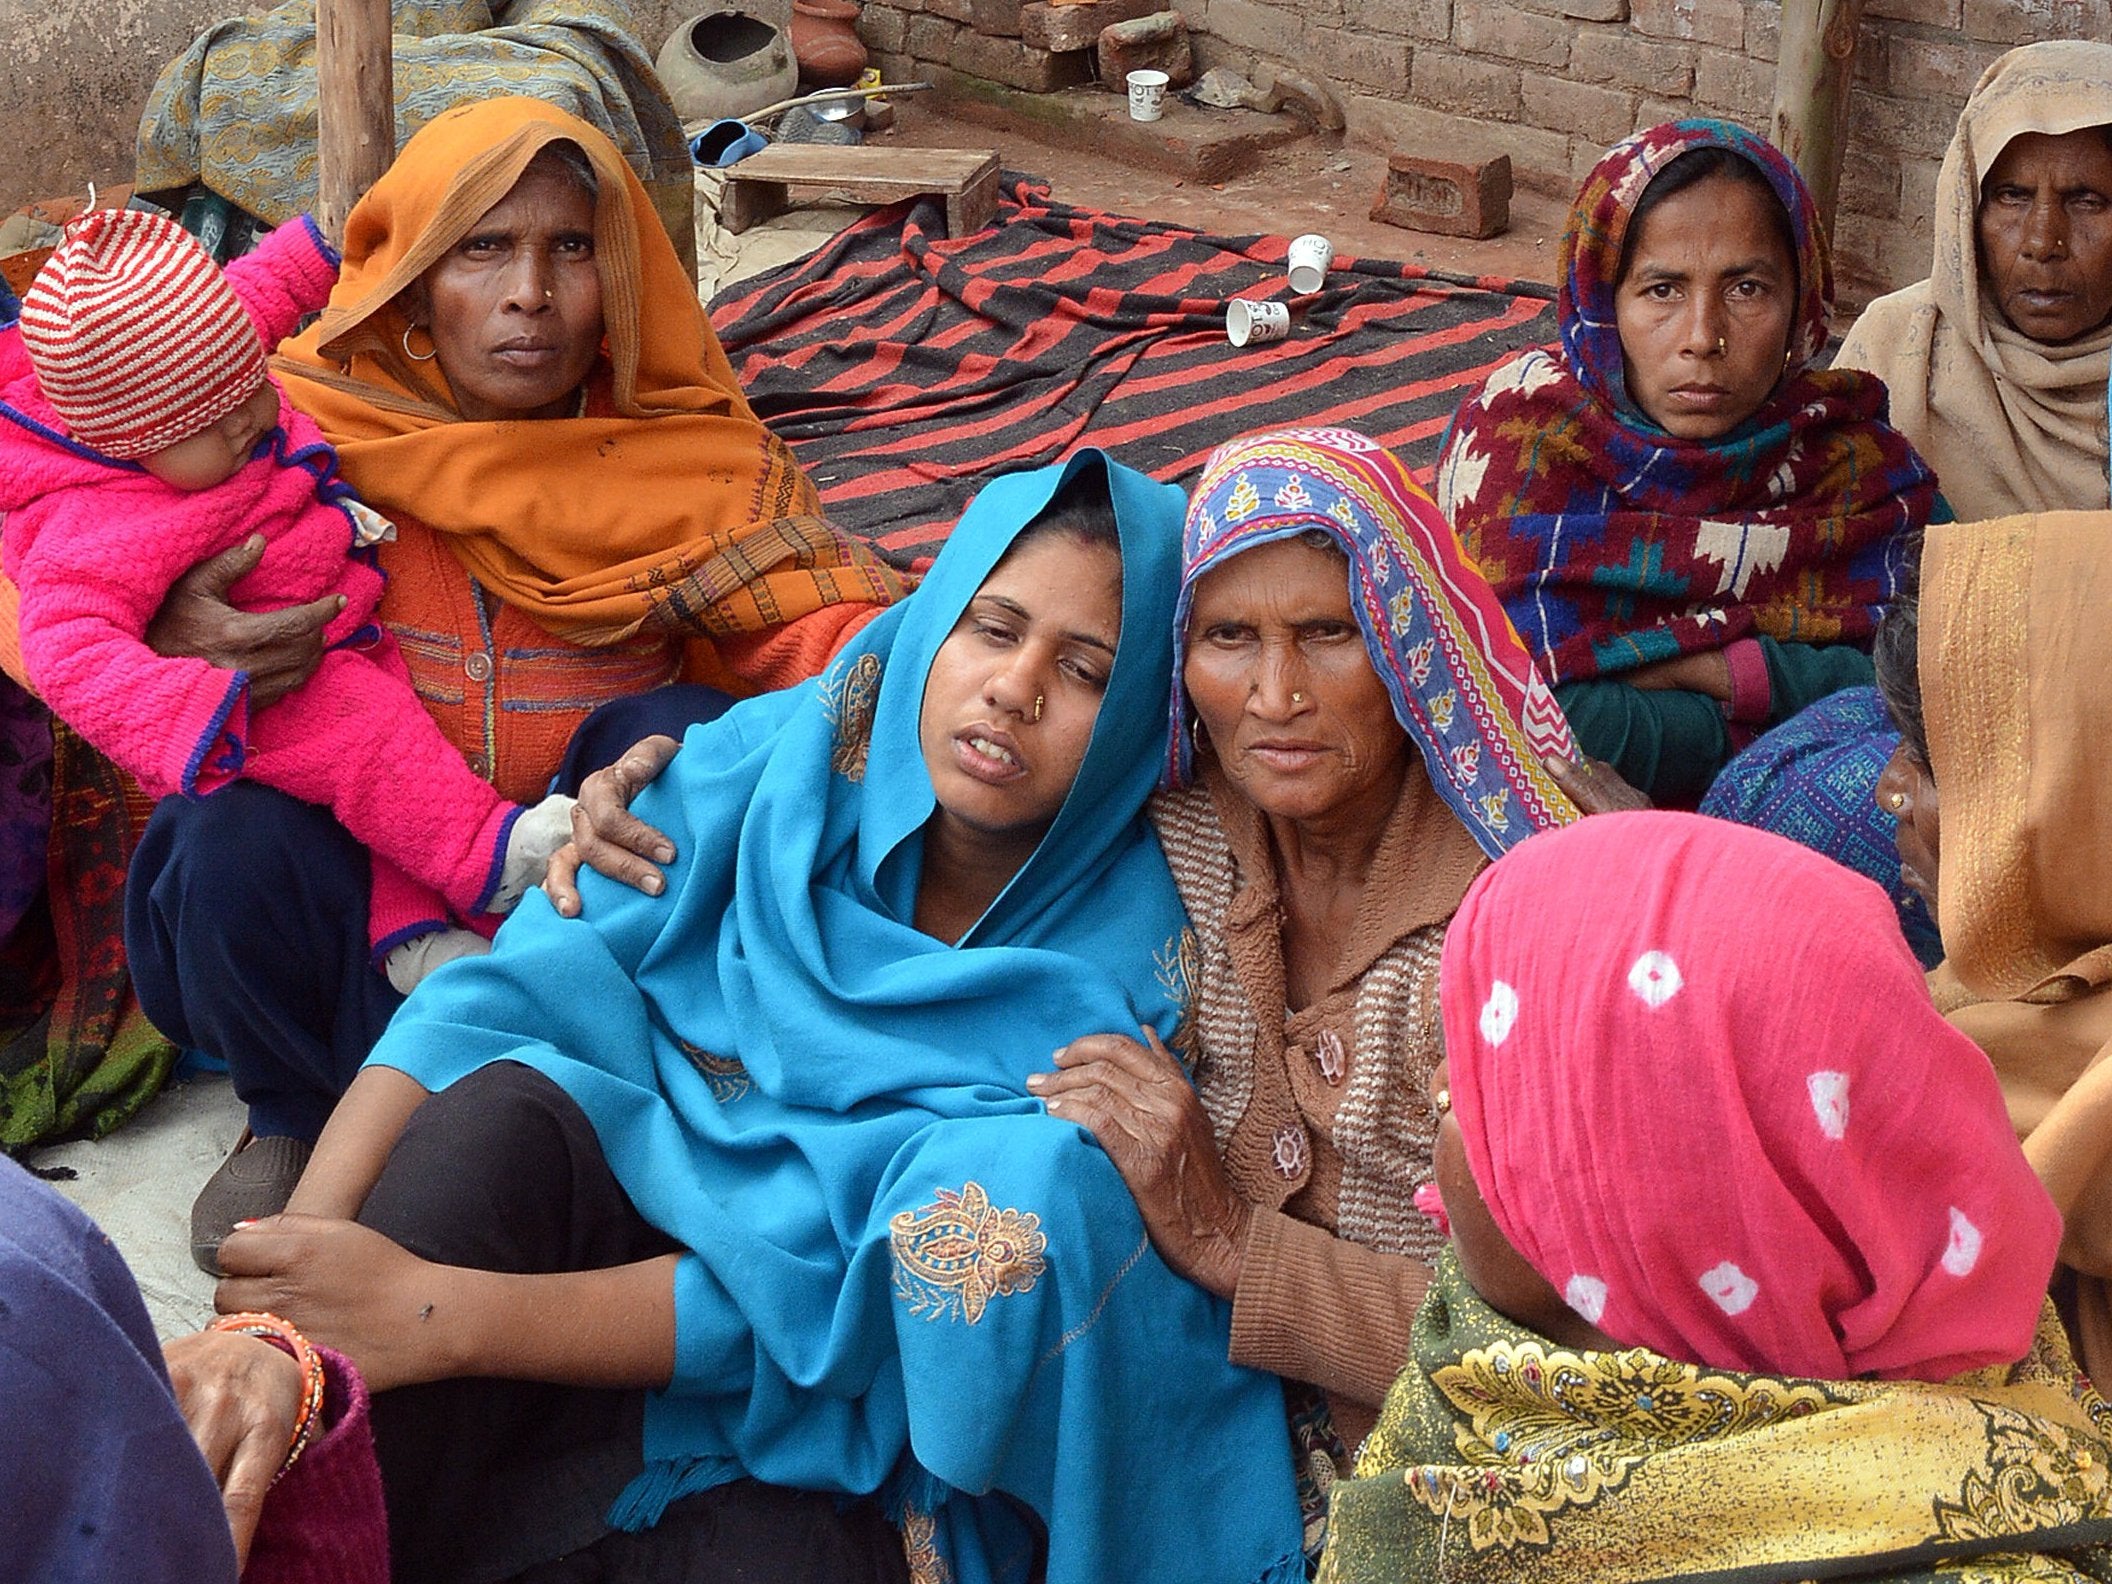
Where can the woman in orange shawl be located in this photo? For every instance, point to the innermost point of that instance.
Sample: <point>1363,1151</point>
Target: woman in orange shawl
<point>2001,704</point>
<point>516,373</point>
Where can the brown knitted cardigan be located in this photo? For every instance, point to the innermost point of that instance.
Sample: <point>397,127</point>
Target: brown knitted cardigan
<point>1337,1257</point>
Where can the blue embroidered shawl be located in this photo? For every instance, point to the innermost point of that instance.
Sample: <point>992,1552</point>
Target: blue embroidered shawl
<point>901,1271</point>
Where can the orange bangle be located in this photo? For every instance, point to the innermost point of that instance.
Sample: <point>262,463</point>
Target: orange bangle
<point>282,1335</point>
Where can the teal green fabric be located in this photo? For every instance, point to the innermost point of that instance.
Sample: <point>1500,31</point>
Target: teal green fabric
<point>901,1272</point>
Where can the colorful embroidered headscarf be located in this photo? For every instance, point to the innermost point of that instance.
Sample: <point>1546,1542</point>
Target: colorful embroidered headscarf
<point>1718,1111</point>
<point>1613,543</point>
<point>1462,685</point>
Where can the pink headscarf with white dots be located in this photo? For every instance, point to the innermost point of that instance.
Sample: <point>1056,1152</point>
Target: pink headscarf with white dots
<point>1705,1093</point>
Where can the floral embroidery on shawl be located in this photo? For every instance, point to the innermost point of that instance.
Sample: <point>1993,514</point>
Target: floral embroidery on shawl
<point>850,694</point>
<point>725,1076</point>
<point>1176,965</point>
<point>920,1545</point>
<point>955,1254</point>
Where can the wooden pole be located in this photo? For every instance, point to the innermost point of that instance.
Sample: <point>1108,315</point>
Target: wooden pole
<point>355,129</point>
<point>1812,77</point>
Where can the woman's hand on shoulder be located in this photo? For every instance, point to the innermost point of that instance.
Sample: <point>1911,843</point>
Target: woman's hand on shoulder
<point>279,649</point>
<point>349,1287</point>
<point>1135,1099</point>
<point>241,1398</point>
<point>606,836</point>
<point>1595,786</point>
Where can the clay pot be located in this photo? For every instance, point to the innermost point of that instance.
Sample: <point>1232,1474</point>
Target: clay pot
<point>825,39</point>
<point>725,65</point>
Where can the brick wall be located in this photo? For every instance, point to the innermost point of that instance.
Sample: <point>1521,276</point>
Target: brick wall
<point>1552,82</point>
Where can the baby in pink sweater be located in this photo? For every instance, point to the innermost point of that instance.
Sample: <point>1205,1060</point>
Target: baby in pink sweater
<point>145,434</point>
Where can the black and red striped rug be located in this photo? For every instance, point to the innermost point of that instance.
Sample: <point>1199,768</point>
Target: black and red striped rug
<point>905,368</point>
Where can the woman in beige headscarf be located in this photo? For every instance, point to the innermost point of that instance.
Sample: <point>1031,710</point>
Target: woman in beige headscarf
<point>2009,716</point>
<point>1998,362</point>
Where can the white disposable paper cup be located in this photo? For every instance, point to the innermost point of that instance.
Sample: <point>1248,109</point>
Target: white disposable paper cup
<point>1147,95</point>
<point>1247,321</point>
<point>1310,256</point>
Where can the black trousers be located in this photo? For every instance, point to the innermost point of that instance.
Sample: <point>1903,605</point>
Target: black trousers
<point>246,925</point>
<point>492,1480</point>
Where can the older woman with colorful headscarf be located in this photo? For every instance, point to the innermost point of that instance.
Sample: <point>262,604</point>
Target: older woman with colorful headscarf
<point>1997,362</point>
<point>1742,1284</point>
<point>1356,731</point>
<point>1692,529</point>
<point>514,370</point>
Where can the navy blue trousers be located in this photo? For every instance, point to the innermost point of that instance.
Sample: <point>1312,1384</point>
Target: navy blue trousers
<point>246,925</point>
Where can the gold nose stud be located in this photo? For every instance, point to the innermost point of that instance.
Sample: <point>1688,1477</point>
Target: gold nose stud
<point>1038,701</point>
<point>1723,346</point>
<point>1297,698</point>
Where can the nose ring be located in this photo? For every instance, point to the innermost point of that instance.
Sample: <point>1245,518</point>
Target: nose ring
<point>1723,346</point>
<point>548,294</point>
<point>1896,801</point>
<point>1038,701</point>
<point>1297,698</point>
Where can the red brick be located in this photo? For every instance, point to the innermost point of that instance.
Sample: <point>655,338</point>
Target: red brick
<point>1077,27</point>
<point>2026,21</point>
<point>1496,27</point>
<point>1448,198</point>
<point>1539,158</point>
<point>1647,65</point>
<point>1019,65</point>
<point>1265,28</point>
<point>1870,184</point>
<point>1580,10</point>
<point>931,38</point>
<point>1945,66</point>
<point>1466,86</point>
<point>1732,84</point>
<point>1346,56</point>
<point>1154,43</point>
<point>1305,97</point>
<point>1718,22</point>
<point>1763,30</point>
<point>883,28</point>
<point>998,18</point>
<point>1930,13</point>
<point>1652,111</point>
<point>1604,115</point>
<point>1416,19</point>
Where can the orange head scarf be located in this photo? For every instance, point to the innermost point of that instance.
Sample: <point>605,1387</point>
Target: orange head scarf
<point>669,507</point>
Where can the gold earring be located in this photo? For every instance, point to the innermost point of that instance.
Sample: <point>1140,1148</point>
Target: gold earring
<point>1441,1102</point>
<point>1896,801</point>
<point>413,356</point>
<point>1037,706</point>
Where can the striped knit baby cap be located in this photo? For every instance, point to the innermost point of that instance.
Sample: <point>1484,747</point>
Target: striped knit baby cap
<point>136,337</point>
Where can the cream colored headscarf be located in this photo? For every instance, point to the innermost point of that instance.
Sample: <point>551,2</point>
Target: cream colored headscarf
<point>2009,424</point>
<point>2014,652</point>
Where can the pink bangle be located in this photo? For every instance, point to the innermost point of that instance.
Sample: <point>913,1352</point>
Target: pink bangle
<point>282,1335</point>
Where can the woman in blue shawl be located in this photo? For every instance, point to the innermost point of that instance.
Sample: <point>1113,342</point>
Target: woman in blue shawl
<point>867,1261</point>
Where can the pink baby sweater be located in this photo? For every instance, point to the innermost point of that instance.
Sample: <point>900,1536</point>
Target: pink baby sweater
<point>95,544</point>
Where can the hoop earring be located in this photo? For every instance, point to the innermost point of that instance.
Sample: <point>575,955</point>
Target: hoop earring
<point>414,357</point>
<point>1195,734</point>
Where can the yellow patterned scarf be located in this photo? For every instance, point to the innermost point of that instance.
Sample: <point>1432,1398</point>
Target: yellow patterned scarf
<point>1502,1459</point>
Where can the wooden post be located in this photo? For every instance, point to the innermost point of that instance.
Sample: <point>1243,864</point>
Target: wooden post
<point>355,115</point>
<point>1812,77</point>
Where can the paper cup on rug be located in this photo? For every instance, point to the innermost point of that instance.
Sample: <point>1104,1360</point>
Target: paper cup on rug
<point>1310,256</point>
<point>1147,95</point>
<point>1247,321</point>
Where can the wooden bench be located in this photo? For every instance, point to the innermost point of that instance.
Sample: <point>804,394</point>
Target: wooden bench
<point>761,185</point>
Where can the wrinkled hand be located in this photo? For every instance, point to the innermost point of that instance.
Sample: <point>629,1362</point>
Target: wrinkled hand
<point>1707,673</point>
<point>1595,786</point>
<point>606,836</point>
<point>240,1396</point>
<point>279,649</point>
<point>344,1285</point>
<point>1139,1104</point>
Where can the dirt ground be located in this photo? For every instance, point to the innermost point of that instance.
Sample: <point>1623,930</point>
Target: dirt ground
<point>1307,186</point>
